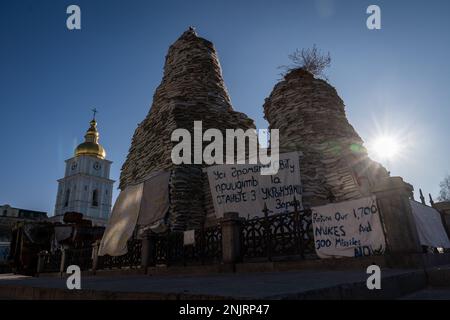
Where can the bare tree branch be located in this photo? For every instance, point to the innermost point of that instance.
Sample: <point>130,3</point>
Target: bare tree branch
<point>444,194</point>
<point>311,60</point>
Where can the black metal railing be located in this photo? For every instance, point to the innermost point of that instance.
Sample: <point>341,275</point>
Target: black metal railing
<point>270,236</point>
<point>81,257</point>
<point>284,234</point>
<point>132,259</point>
<point>170,249</point>
<point>51,261</point>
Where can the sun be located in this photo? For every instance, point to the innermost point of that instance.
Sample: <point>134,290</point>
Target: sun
<point>386,147</point>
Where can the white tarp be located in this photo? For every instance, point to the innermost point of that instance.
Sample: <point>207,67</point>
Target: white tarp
<point>429,226</point>
<point>141,204</point>
<point>241,188</point>
<point>155,198</point>
<point>122,222</point>
<point>348,229</point>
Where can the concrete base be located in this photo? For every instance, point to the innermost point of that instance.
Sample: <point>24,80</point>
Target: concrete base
<point>419,260</point>
<point>316,264</point>
<point>407,261</point>
<point>270,285</point>
<point>439,276</point>
<point>310,279</point>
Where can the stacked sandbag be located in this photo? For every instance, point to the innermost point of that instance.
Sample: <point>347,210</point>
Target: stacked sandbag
<point>186,197</point>
<point>192,89</point>
<point>311,118</point>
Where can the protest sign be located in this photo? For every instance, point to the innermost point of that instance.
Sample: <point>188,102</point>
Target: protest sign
<point>348,229</point>
<point>242,188</point>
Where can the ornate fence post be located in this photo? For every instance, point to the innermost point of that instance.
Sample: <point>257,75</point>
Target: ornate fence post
<point>95,248</point>
<point>152,250</point>
<point>40,263</point>
<point>393,196</point>
<point>62,266</point>
<point>267,232</point>
<point>145,252</point>
<point>202,243</point>
<point>298,229</point>
<point>231,237</point>
<point>168,248</point>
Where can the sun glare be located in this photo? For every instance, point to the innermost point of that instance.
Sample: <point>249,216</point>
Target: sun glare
<point>386,147</point>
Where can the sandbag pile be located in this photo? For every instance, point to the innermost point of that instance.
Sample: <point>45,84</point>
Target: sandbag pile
<point>208,203</point>
<point>192,89</point>
<point>311,118</point>
<point>186,197</point>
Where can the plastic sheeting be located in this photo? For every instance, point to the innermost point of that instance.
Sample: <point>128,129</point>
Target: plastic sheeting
<point>122,222</point>
<point>155,200</point>
<point>429,226</point>
<point>144,204</point>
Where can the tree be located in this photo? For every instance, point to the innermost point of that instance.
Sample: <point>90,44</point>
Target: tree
<point>311,60</point>
<point>444,194</point>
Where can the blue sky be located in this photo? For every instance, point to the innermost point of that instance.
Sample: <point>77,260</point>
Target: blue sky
<point>393,80</point>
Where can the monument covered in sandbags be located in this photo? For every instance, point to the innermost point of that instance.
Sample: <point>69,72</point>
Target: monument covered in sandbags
<point>192,89</point>
<point>311,118</point>
<point>157,194</point>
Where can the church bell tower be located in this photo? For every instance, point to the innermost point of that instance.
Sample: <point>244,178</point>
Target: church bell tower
<point>86,187</point>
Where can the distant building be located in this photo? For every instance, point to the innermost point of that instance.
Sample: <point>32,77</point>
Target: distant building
<point>86,187</point>
<point>4,252</point>
<point>21,214</point>
<point>9,216</point>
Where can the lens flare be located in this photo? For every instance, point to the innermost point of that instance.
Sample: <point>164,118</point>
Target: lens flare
<point>386,147</point>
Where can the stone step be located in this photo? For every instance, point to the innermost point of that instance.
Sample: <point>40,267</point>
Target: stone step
<point>299,285</point>
<point>439,276</point>
<point>392,287</point>
<point>429,293</point>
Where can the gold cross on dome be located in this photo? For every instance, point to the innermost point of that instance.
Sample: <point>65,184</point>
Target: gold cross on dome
<point>94,111</point>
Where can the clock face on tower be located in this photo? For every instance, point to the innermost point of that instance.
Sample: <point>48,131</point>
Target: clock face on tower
<point>97,165</point>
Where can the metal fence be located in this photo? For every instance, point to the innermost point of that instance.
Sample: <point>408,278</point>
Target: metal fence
<point>81,257</point>
<point>169,248</point>
<point>49,261</point>
<point>84,258</point>
<point>62,258</point>
<point>132,259</point>
<point>280,235</point>
<point>267,237</point>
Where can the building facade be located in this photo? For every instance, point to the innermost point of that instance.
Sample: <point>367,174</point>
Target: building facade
<point>9,216</point>
<point>86,187</point>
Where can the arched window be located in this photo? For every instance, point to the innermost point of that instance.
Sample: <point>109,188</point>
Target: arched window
<point>95,198</point>
<point>66,198</point>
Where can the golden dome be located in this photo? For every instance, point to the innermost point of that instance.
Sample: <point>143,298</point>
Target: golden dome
<point>90,146</point>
